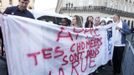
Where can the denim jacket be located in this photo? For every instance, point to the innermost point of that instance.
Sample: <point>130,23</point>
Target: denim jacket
<point>124,31</point>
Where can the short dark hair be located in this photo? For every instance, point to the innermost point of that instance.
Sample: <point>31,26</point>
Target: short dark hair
<point>68,22</point>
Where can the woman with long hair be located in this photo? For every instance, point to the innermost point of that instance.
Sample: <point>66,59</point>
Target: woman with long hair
<point>76,21</point>
<point>89,22</point>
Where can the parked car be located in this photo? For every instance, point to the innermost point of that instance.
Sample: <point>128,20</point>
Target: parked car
<point>49,16</point>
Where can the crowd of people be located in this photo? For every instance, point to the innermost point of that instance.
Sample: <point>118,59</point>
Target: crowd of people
<point>121,29</point>
<point>120,32</point>
<point>77,21</point>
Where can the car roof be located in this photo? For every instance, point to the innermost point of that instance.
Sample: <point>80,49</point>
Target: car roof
<point>38,14</point>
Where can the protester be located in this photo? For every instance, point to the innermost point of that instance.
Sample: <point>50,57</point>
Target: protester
<point>90,18</point>
<point>65,22</point>
<point>109,30</point>
<point>103,22</point>
<point>120,32</point>
<point>96,25</point>
<point>89,22</point>
<point>97,22</point>
<point>109,22</point>
<point>20,10</point>
<point>76,21</point>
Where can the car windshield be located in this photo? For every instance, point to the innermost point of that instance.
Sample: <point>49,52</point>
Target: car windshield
<point>55,20</point>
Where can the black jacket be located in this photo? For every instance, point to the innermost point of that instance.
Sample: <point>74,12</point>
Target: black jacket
<point>14,10</point>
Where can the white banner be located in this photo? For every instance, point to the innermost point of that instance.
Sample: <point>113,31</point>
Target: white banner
<point>39,48</point>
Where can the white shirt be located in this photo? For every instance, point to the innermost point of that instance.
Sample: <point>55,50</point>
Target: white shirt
<point>117,35</point>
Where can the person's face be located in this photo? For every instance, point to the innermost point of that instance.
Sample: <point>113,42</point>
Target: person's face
<point>90,19</point>
<point>63,22</point>
<point>115,18</point>
<point>74,21</point>
<point>97,21</point>
<point>23,4</point>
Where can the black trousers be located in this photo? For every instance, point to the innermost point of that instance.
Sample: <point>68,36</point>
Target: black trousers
<point>2,45</point>
<point>117,58</point>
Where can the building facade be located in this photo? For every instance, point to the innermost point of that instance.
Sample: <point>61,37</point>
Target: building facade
<point>124,5</point>
<point>6,3</point>
<point>95,8</point>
